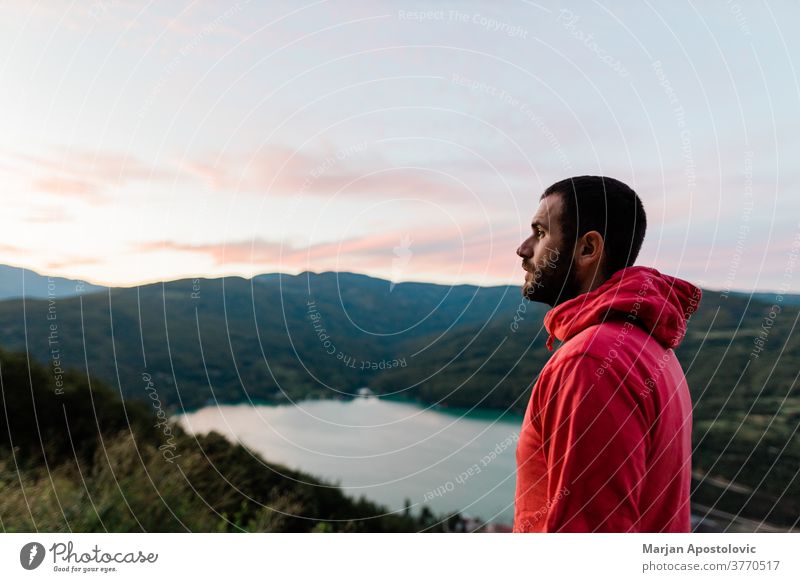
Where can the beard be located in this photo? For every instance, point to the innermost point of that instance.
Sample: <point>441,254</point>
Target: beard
<point>551,282</point>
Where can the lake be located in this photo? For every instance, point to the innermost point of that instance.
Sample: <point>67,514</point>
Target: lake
<point>388,451</point>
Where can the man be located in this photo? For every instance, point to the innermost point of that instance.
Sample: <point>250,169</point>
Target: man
<point>605,445</point>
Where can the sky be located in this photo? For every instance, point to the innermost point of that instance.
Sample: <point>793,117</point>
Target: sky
<point>146,141</point>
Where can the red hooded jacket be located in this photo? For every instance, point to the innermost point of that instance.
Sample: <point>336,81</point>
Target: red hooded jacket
<point>606,440</point>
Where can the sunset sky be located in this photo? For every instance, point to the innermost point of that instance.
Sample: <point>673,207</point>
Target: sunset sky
<point>406,140</point>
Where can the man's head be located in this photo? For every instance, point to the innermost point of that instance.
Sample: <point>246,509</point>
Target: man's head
<point>586,229</point>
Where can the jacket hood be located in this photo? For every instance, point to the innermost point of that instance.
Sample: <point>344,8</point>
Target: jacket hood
<point>659,303</point>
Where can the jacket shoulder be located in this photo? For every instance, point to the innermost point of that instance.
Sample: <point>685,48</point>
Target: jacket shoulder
<point>601,340</point>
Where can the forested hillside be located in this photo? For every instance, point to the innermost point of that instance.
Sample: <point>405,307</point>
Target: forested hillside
<point>278,338</point>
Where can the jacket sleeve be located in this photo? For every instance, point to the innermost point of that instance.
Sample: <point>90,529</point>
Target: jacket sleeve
<point>595,445</point>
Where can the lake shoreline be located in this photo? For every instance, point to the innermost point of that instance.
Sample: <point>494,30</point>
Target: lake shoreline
<point>394,451</point>
<point>509,415</point>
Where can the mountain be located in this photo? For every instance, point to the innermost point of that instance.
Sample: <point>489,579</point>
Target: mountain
<point>18,282</point>
<point>234,339</point>
<point>771,298</point>
<point>281,337</point>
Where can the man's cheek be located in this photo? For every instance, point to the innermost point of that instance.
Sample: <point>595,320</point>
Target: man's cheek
<point>535,278</point>
<point>552,257</point>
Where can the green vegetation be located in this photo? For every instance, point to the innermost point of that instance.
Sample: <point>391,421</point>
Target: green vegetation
<point>84,461</point>
<point>324,336</point>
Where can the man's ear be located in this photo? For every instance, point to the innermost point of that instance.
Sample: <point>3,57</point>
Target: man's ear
<point>590,248</point>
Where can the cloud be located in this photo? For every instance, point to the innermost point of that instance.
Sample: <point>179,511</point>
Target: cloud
<point>239,252</point>
<point>69,187</point>
<point>73,262</point>
<point>352,171</point>
<point>472,250</point>
<point>5,248</point>
<point>48,215</point>
<point>80,174</point>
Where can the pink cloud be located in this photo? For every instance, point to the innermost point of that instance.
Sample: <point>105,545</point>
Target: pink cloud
<point>348,172</point>
<point>74,262</point>
<point>69,187</point>
<point>83,175</point>
<point>4,248</point>
<point>472,250</point>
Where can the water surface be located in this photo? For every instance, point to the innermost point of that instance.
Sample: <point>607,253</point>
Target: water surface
<point>386,450</point>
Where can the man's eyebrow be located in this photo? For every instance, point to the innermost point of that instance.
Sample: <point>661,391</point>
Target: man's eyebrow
<point>536,223</point>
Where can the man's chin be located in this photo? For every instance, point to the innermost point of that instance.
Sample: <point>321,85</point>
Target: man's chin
<point>536,294</point>
<point>529,292</point>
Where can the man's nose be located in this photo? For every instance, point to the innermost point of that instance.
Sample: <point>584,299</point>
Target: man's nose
<point>524,250</point>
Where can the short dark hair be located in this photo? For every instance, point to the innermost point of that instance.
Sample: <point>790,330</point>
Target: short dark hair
<point>608,206</point>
